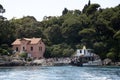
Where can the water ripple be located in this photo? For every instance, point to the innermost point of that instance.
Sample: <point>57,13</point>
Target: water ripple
<point>60,73</point>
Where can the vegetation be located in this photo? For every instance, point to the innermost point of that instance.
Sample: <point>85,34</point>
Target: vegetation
<point>94,27</point>
<point>23,55</point>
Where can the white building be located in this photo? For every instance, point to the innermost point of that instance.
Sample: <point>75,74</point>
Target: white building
<point>84,52</point>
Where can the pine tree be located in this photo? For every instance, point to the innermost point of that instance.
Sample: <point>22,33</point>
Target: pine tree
<point>89,2</point>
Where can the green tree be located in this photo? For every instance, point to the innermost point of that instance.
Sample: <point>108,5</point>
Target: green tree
<point>68,52</point>
<point>111,55</point>
<point>53,34</point>
<point>2,10</point>
<point>92,9</point>
<point>65,11</point>
<point>87,35</point>
<point>6,32</point>
<point>70,29</point>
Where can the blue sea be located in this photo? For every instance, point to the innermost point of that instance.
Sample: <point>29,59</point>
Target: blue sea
<point>59,73</point>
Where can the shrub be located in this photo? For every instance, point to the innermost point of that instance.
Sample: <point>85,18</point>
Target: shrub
<point>3,52</point>
<point>23,55</point>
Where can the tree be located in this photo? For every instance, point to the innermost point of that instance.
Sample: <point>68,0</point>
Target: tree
<point>3,52</point>
<point>92,9</point>
<point>117,35</point>
<point>86,6</point>
<point>100,49</point>
<point>27,27</point>
<point>48,51</point>
<point>2,10</point>
<point>89,3</point>
<point>87,35</point>
<point>6,32</point>
<point>111,55</point>
<point>65,11</point>
<point>77,12</point>
<point>117,44</point>
<point>70,29</point>
<point>56,51</point>
<point>53,34</point>
<point>115,21</point>
<point>68,52</point>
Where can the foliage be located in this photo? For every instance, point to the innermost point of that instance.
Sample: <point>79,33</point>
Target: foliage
<point>3,52</point>
<point>29,59</point>
<point>23,55</point>
<point>111,55</point>
<point>68,52</point>
<point>92,8</point>
<point>94,27</point>
<point>65,11</point>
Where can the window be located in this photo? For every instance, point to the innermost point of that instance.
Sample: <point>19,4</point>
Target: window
<point>31,48</point>
<point>80,51</point>
<point>23,48</point>
<point>85,52</point>
<point>40,48</point>
<point>16,48</point>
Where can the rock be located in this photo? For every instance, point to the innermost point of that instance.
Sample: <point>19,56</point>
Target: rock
<point>39,62</point>
<point>17,63</point>
<point>117,63</point>
<point>107,61</point>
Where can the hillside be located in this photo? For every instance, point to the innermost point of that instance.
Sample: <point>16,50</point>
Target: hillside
<point>94,27</point>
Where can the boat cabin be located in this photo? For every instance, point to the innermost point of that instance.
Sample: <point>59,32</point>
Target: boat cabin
<point>84,52</point>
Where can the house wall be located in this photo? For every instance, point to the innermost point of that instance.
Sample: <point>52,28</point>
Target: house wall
<point>41,48</point>
<point>16,46</point>
<point>37,51</point>
<point>24,44</point>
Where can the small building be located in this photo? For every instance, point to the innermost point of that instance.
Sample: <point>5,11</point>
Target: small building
<point>33,46</point>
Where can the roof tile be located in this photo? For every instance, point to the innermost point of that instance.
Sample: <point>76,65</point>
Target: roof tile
<point>32,41</point>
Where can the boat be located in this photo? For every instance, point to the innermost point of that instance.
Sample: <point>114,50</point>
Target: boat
<point>86,57</point>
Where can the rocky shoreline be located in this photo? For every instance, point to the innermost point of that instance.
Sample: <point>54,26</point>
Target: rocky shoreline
<point>35,62</point>
<point>7,62</point>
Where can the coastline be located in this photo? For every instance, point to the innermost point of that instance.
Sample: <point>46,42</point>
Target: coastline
<point>36,62</point>
<point>9,62</point>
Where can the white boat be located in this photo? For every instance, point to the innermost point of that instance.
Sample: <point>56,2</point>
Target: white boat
<point>88,58</point>
<point>93,63</point>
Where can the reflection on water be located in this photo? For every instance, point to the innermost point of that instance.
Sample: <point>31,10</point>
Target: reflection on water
<point>60,73</point>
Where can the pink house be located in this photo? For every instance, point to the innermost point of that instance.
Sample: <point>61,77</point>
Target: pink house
<point>33,46</point>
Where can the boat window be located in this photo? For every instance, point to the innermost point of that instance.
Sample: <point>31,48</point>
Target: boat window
<point>80,51</point>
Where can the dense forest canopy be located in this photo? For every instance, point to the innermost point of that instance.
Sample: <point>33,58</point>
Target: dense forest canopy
<point>94,27</point>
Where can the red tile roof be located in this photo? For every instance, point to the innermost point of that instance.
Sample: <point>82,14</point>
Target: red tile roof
<point>32,41</point>
<point>35,40</point>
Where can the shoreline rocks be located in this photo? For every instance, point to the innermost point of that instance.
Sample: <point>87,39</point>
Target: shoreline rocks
<point>48,62</point>
<point>37,62</point>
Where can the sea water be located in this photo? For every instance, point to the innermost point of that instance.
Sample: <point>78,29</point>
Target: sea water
<point>59,73</point>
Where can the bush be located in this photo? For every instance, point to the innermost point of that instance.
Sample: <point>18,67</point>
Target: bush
<point>68,52</point>
<point>3,52</point>
<point>111,55</point>
<point>29,59</point>
<point>23,55</point>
